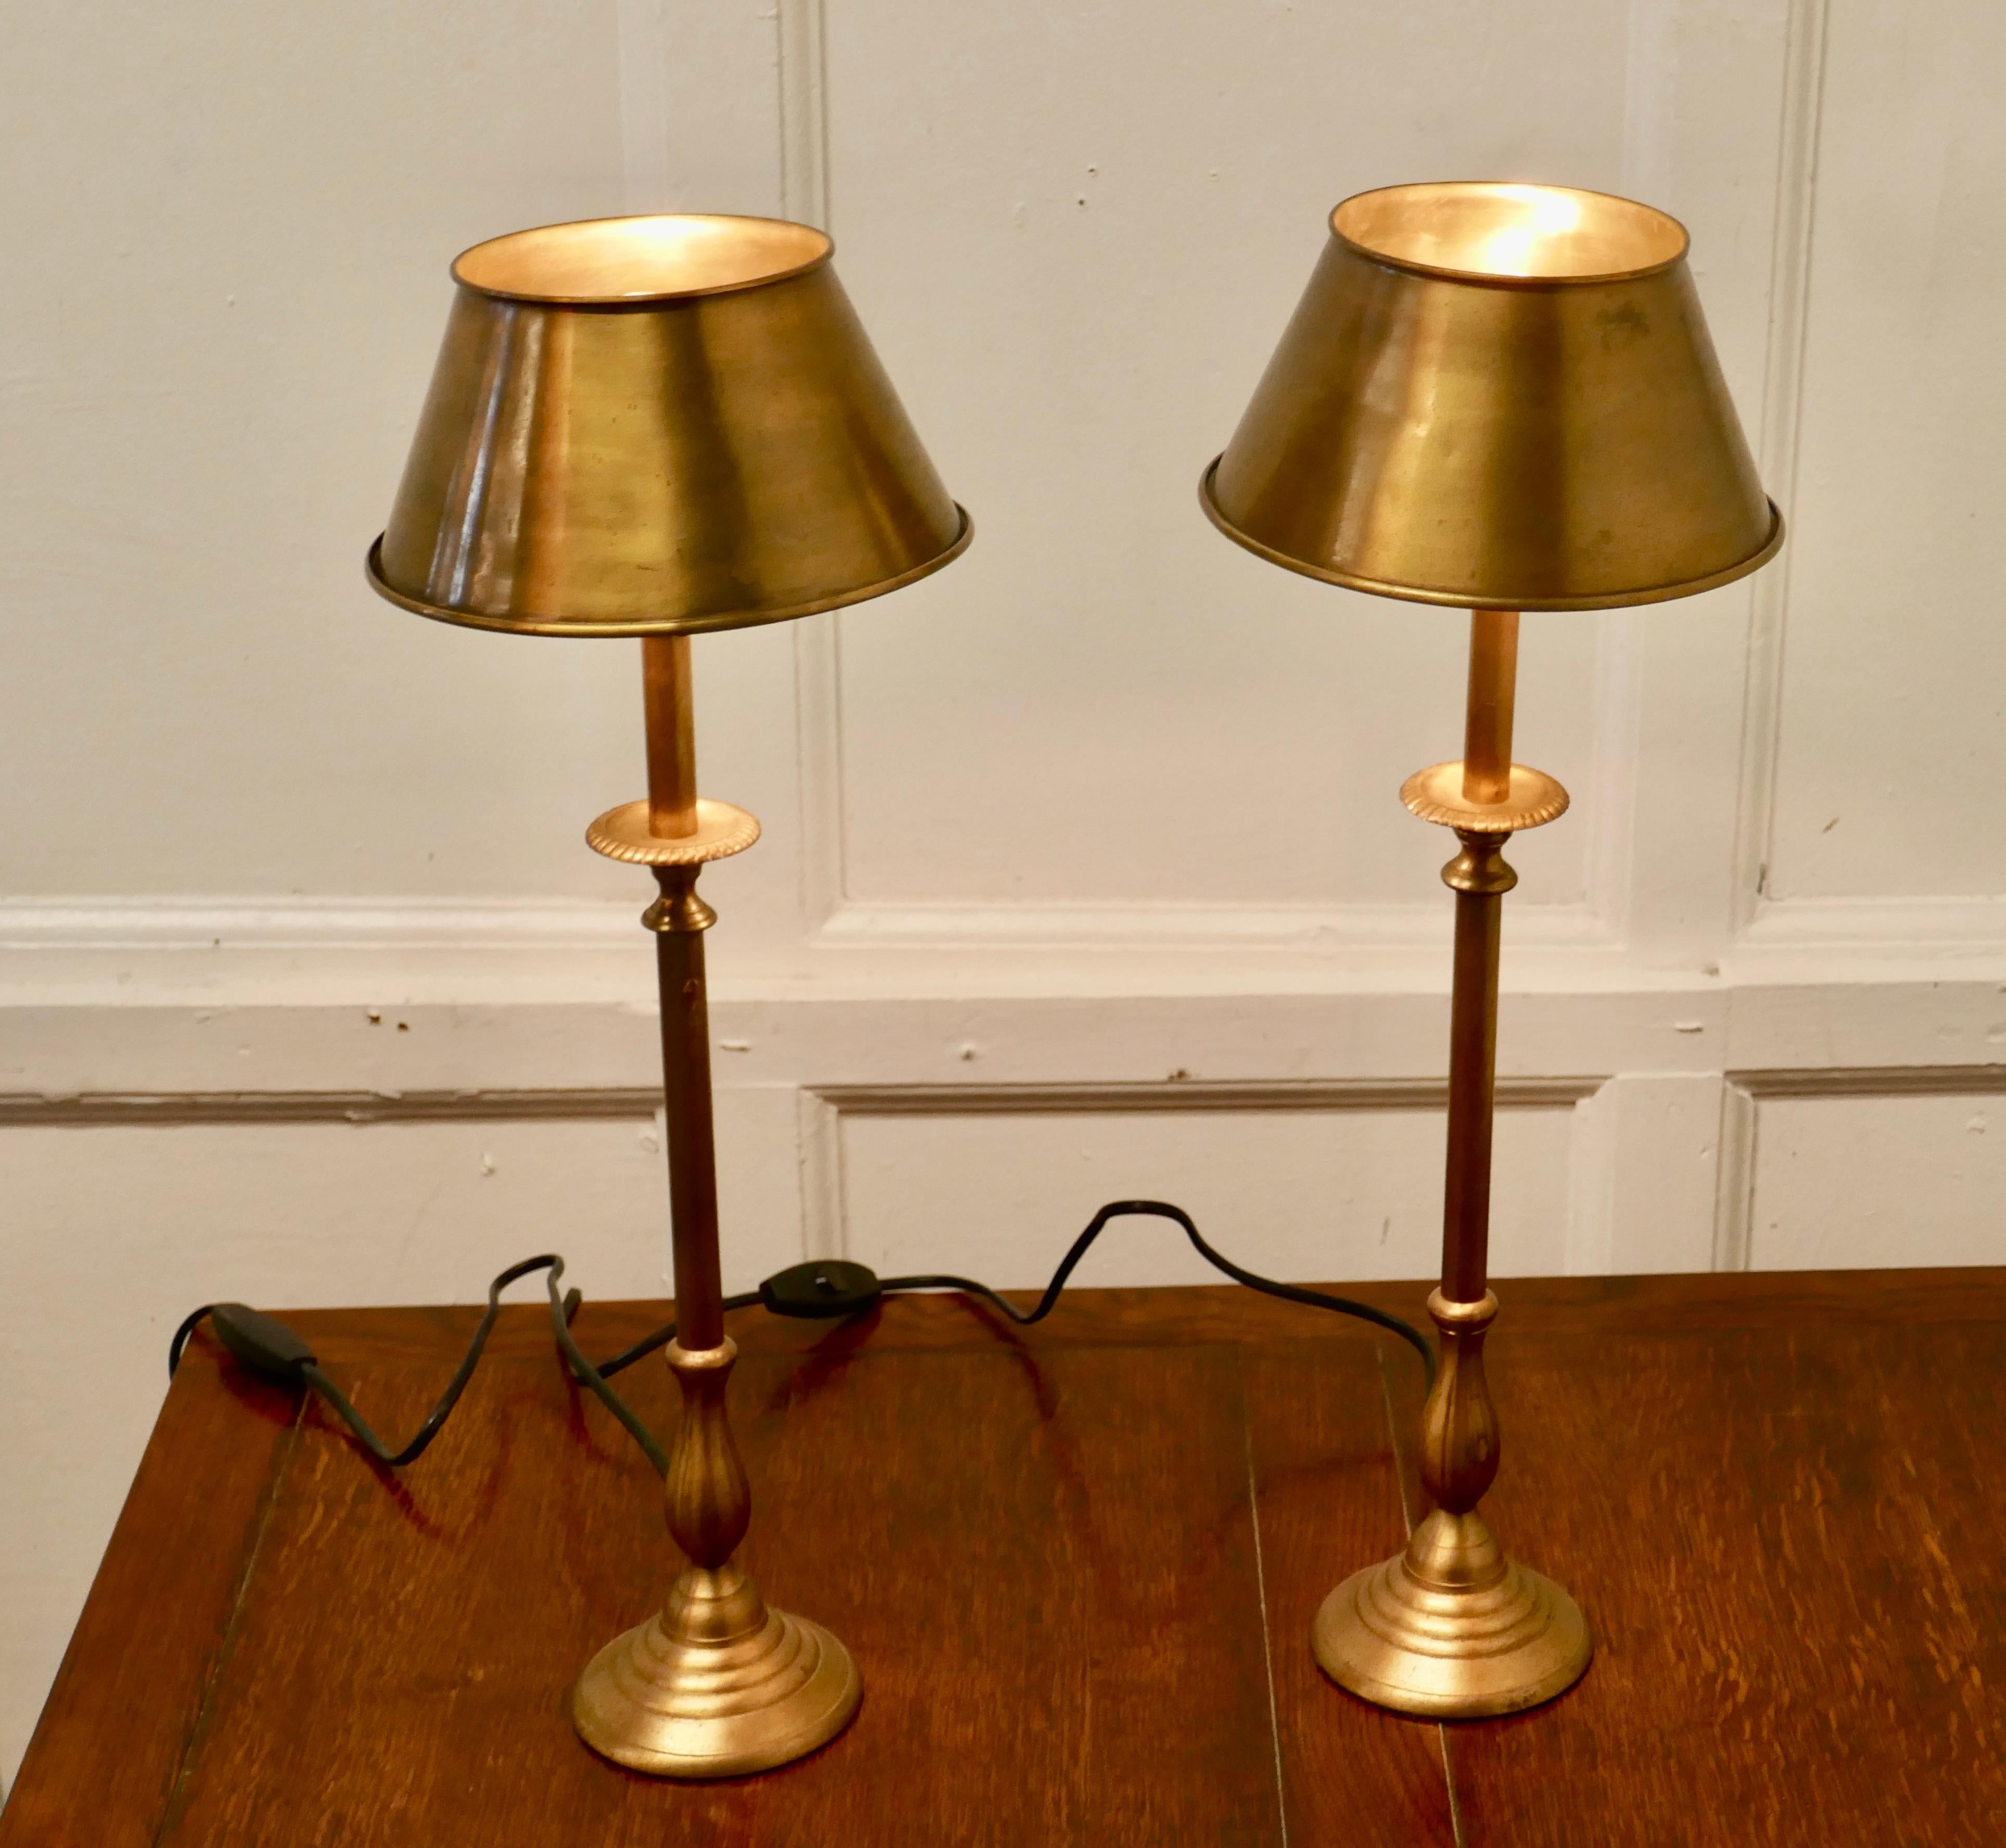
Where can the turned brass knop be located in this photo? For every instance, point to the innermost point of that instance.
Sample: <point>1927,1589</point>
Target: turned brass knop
<point>1481,867</point>
<point>678,908</point>
<point>1458,1425</point>
<point>708,1500</point>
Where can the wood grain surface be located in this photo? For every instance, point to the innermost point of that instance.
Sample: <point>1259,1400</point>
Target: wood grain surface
<point>1077,1565</point>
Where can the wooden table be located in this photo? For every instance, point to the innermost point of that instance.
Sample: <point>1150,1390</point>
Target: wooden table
<point>1078,1566</point>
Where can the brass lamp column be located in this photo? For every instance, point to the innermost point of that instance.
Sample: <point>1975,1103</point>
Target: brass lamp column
<point>656,426</point>
<point>1502,397</point>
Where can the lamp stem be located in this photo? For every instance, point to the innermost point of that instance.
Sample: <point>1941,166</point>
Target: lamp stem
<point>665,679</point>
<point>1493,675</point>
<point>1480,878</point>
<point>679,919</point>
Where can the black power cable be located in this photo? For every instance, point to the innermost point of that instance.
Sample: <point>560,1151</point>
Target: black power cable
<point>1114,1209</point>
<point>595,1377</point>
<point>1289,1293</point>
<point>270,1349</point>
<point>824,1291</point>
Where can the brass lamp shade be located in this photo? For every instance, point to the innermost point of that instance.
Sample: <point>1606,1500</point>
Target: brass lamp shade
<point>1500,396</point>
<point>658,426</point>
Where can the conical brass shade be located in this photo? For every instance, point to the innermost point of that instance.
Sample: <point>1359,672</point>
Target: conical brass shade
<point>658,426</point>
<point>1502,396</point>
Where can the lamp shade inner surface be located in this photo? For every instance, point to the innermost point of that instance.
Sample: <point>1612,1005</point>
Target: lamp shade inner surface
<point>1499,231</point>
<point>609,260</point>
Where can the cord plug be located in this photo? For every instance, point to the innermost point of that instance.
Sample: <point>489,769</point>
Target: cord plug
<point>821,1290</point>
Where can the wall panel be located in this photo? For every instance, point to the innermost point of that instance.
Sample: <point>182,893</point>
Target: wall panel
<point>1894,676</point>
<point>230,225</point>
<point>1305,1193</point>
<point>1860,1182</point>
<point>1077,240</point>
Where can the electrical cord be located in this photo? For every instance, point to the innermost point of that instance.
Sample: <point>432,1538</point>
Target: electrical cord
<point>595,1377</point>
<point>268,1347</point>
<point>1289,1293</point>
<point>666,1333</point>
<point>1114,1209</point>
<point>829,1289</point>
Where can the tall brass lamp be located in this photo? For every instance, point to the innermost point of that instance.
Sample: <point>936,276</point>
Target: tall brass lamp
<point>656,426</point>
<point>1501,397</point>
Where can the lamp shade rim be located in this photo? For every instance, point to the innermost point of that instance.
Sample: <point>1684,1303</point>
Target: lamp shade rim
<point>1462,599</point>
<point>526,265</point>
<point>701,624</point>
<point>1375,253</point>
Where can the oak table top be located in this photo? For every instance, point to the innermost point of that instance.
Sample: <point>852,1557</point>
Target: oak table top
<point>1077,1565</point>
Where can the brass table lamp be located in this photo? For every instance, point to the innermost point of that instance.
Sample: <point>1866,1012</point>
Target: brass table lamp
<point>1501,397</point>
<point>654,426</point>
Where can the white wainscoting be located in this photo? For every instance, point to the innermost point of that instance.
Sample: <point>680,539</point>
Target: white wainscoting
<point>1083,875</point>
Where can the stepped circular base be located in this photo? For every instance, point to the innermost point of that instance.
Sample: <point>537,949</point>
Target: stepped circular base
<point>1457,1653</point>
<point>694,1709</point>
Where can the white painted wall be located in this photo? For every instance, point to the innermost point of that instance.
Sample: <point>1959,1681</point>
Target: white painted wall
<point>1084,874</point>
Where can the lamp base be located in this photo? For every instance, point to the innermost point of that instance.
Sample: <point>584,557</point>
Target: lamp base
<point>1450,1628</point>
<point>716,1684</point>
